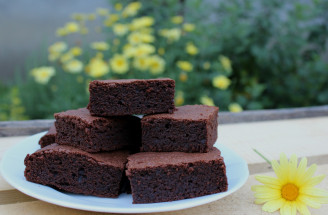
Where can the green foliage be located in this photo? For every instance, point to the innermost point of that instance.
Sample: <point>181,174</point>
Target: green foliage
<point>278,49</point>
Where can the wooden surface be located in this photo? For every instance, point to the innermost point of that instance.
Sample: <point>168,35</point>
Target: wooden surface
<point>304,137</point>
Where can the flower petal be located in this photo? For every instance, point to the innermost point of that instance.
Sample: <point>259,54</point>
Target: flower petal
<point>301,170</point>
<point>302,209</point>
<point>309,201</point>
<point>314,181</point>
<point>286,209</point>
<point>269,181</point>
<point>292,168</point>
<point>272,206</point>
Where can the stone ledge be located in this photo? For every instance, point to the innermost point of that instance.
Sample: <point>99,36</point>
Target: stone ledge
<point>19,128</point>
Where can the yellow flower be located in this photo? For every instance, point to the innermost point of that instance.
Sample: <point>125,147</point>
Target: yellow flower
<point>129,50</point>
<point>191,49</point>
<point>118,6</point>
<point>156,65</point>
<point>137,37</point>
<point>66,57</point>
<point>142,22</point>
<point>97,67</point>
<point>53,56</point>
<point>119,64</point>
<point>76,51</point>
<point>235,107</point>
<point>179,98</point>
<point>78,16</point>
<point>143,49</point>
<point>43,74</point>
<point>73,66</point>
<point>57,47</point>
<point>226,63</point>
<point>60,32</point>
<point>102,11</point>
<point>120,29</point>
<point>131,9</point>
<point>177,19</point>
<point>207,65</point>
<point>72,27</point>
<point>221,82</point>
<point>91,16</point>
<point>171,34</point>
<point>205,100</point>
<point>100,46</point>
<point>141,63</point>
<point>188,27</point>
<point>111,19</point>
<point>161,51</point>
<point>292,190</point>
<point>185,65</point>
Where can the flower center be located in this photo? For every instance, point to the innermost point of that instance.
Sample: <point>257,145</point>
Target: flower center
<point>289,192</point>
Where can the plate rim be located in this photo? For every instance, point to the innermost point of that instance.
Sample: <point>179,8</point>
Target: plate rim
<point>202,200</point>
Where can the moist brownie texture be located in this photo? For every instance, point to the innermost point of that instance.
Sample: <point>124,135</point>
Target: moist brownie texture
<point>169,176</point>
<point>73,170</point>
<point>49,137</point>
<point>93,134</point>
<point>191,128</point>
<point>131,96</point>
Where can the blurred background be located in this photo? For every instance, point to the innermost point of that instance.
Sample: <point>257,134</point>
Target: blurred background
<point>238,54</point>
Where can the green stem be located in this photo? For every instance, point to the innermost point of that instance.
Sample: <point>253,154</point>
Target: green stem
<point>262,156</point>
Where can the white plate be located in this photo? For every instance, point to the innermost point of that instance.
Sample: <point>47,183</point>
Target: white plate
<point>12,169</point>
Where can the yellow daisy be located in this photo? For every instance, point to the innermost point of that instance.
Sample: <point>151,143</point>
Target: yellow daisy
<point>120,29</point>
<point>119,64</point>
<point>205,100</point>
<point>225,62</point>
<point>42,75</point>
<point>100,46</point>
<point>73,66</point>
<point>156,65</point>
<point>292,190</point>
<point>185,65</point>
<point>221,82</point>
<point>235,107</point>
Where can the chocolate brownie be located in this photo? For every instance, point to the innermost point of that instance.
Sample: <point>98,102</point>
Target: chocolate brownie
<point>191,128</point>
<point>170,176</point>
<point>93,134</point>
<point>131,96</point>
<point>76,171</point>
<point>49,137</point>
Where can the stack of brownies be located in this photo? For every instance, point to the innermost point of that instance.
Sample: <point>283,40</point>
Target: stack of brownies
<point>104,149</point>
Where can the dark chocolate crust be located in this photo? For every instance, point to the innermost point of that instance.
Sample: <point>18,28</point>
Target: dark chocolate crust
<point>169,176</point>
<point>131,96</point>
<point>94,134</point>
<point>49,138</point>
<point>73,170</point>
<point>191,128</point>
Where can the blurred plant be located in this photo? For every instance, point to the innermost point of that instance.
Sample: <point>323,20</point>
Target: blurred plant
<point>136,46</point>
<point>246,55</point>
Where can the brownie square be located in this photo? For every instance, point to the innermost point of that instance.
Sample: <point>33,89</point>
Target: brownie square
<point>131,96</point>
<point>49,137</point>
<point>79,129</point>
<point>76,171</point>
<point>191,128</point>
<point>169,176</point>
